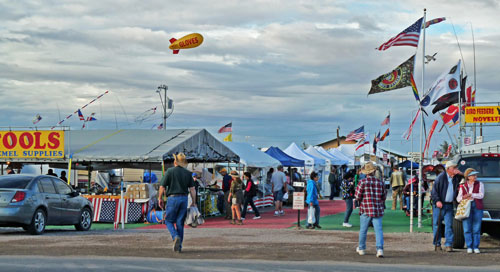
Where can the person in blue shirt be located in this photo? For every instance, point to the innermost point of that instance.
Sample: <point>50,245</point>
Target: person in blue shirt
<point>312,199</point>
<point>149,177</point>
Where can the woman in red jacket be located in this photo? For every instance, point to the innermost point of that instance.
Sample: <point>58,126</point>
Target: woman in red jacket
<point>250,193</point>
<point>473,190</point>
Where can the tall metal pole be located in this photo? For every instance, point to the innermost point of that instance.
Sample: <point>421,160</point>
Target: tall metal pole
<point>164,102</point>
<point>475,86</point>
<point>421,133</point>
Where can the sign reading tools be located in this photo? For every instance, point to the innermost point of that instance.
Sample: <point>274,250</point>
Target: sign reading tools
<point>31,144</point>
<point>484,114</point>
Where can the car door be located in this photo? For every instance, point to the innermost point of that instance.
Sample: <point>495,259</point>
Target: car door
<point>51,199</point>
<point>70,205</point>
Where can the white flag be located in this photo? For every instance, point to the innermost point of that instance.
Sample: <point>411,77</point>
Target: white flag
<point>448,82</point>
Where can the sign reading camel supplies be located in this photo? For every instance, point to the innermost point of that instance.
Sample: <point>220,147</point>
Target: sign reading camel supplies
<point>31,144</point>
<point>483,114</point>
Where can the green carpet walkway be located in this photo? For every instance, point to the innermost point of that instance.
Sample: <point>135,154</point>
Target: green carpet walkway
<point>393,221</point>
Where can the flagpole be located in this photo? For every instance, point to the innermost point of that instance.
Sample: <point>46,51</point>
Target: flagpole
<point>389,138</point>
<point>474,50</point>
<point>421,132</point>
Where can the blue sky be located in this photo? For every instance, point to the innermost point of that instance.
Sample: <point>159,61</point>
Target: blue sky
<point>281,71</point>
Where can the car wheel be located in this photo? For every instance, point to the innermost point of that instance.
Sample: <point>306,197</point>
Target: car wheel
<point>85,220</point>
<point>38,222</point>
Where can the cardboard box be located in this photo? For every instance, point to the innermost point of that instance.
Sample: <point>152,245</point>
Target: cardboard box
<point>143,187</point>
<point>136,195</point>
<point>144,194</point>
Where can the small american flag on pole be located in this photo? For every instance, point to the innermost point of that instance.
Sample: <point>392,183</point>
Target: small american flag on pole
<point>386,121</point>
<point>356,134</point>
<point>409,37</point>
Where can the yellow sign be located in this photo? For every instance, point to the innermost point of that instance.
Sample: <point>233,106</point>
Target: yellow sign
<point>31,144</point>
<point>485,114</point>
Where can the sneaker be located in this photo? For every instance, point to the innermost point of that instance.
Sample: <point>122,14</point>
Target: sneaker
<point>276,213</point>
<point>243,218</point>
<point>309,227</point>
<point>282,212</point>
<point>347,225</point>
<point>477,251</point>
<point>317,226</point>
<point>438,248</point>
<point>177,244</point>
<point>448,249</point>
<point>380,253</point>
<point>469,250</point>
<point>256,217</point>
<point>361,252</point>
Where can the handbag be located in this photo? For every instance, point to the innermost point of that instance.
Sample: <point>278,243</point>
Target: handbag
<point>310,215</point>
<point>463,209</point>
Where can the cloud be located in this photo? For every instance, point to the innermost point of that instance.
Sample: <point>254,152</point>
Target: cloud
<point>282,71</point>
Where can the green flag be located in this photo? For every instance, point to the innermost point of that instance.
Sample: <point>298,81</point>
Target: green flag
<point>396,79</point>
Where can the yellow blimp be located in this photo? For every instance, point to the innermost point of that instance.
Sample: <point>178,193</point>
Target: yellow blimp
<point>189,41</point>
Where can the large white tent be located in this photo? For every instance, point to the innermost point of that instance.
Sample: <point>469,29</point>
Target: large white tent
<point>251,156</point>
<point>294,151</point>
<point>335,160</point>
<point>337,153</point>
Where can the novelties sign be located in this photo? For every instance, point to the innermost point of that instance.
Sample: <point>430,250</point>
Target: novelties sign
<point>484,114</point>
<point>32,144</point>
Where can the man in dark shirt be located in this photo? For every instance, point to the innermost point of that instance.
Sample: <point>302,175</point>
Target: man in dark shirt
<point>51,173</point>
<point>226,185</point>
<point>178,182</point>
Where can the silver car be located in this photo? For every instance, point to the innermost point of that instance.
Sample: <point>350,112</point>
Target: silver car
<point>33,202</point>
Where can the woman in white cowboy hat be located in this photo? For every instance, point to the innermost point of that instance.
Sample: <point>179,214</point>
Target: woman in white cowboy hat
<point>474,191</point>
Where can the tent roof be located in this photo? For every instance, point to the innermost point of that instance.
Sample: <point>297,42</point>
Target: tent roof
<point>337,153</point>
<point>135,145</point>
<point>285,159</point>
<point>294,151</point>
<point>335,160</point>
<point>407,164</point>
<point>251,156</point>
<point>312,151</point>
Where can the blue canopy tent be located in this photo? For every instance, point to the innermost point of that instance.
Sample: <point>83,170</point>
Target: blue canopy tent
<point>407,164</point>
<point>284,158</point>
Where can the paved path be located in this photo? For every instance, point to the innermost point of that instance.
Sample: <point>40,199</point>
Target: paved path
<point>63,264</point>
<point>268,220</point>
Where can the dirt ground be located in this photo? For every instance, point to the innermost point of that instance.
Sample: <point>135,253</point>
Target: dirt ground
<point>263,244</point>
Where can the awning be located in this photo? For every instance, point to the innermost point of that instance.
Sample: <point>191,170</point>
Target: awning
<point>251,156</point>
<point>283,157</point>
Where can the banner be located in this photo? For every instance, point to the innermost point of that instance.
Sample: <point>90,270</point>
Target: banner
<point>428,141</point>
<point>396,79</point>
<point>31,144</point>
<point>483,114</point>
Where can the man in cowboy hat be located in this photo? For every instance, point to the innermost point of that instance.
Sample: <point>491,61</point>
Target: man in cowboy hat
<point>226,185</point>
<point>370,195</point>
<point>178,182</point>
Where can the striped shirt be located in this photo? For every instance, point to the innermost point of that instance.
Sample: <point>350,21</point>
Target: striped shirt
<point>371,195</point>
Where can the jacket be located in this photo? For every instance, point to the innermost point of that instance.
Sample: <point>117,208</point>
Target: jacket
<point>441,186</point>
<point>312,193</point>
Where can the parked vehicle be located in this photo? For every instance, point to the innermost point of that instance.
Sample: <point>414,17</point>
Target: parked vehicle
<point>488,166</point>
<point>33,202</point>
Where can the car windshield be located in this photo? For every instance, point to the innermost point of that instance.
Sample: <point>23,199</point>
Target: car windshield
<point>14,182</point>
<point>487,167</point>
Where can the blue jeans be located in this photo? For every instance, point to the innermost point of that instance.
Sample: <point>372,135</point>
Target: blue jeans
<point>415,203</point>
<point>316,215</point>
<point>348,209</point>
<point>447,214</point>
<point>176,214</point>
<point>363,229</point>
<point>332,190</point>
<point>472,227</point>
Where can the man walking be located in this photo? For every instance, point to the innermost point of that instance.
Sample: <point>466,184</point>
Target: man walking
<point>370,195</point>
<point>444,193</point>
<point>178,182</point>
<point>278,182</point>
<point>397,184</point>
<point>332,179</point>
<point>226,185</point>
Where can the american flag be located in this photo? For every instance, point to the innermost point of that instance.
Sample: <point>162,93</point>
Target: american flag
<point>226,128</point>
<point>386,121</point>
<point>409,37</point>
<point>356,134</point>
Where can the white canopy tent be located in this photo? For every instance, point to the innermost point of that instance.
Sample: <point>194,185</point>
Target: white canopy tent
<point>337,153</point>
<point>335,160</point>
<point>251,156</point>
<point>294,151</point>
